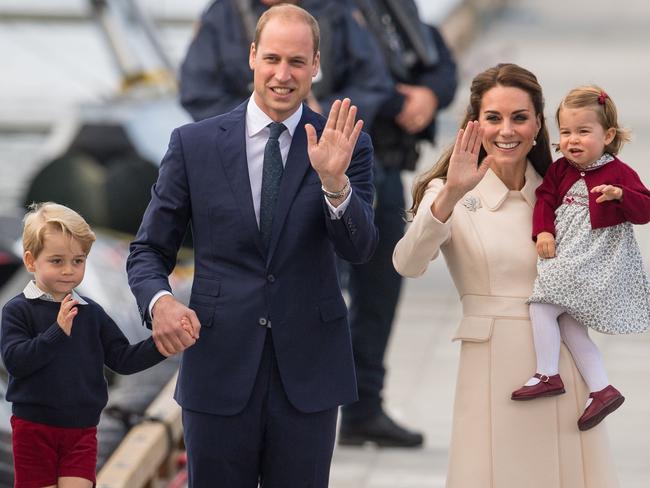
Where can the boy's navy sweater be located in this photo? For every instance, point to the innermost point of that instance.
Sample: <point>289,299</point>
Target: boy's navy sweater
<point>56,379</point>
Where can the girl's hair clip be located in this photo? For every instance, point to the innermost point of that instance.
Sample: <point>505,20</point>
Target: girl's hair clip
<point>602,97</point>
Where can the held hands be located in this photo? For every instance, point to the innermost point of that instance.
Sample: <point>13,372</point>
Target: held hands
<point>67,313</point>
<point>186,324</point>
<point>175,327</point>
<point>419,108</point>
<point>607,192</point>
<point>330,156</point>
<point>545,245</point>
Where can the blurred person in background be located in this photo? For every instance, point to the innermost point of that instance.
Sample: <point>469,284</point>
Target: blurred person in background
<point>215,76</point>
<point>423,75</point>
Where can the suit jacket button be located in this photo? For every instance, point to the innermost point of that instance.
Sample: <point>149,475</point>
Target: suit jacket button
<point>270,278</point>
<point>263,322</point>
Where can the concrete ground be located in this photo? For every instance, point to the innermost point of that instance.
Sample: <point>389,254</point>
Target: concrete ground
<point>565,44</point>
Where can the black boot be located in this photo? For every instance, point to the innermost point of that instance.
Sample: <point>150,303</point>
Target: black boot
<point>380,430</point>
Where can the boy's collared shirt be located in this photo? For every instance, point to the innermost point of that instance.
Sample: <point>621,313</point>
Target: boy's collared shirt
<point>32,292</point>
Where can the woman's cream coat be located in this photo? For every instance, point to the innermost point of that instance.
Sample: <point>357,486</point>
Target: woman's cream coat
<point>497,442</point>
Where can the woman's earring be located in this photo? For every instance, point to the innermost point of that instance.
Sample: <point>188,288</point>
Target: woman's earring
<point>534,142</point>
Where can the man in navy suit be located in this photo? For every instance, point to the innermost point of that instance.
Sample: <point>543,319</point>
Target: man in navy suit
<point>261,385</point>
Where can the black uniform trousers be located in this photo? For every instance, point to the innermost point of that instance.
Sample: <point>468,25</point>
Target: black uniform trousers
<point>374,289</point>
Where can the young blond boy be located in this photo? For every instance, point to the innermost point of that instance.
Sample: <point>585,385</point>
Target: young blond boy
<point>54,344</point>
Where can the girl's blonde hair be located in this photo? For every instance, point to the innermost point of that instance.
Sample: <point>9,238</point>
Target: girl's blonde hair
<point>49,216</point>
<point>595,98</point>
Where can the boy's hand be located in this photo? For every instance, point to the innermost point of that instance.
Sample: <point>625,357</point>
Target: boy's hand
<point>187,326</point>
<point>608,192</point>
<point>67,313</point>
<point>545,245</point>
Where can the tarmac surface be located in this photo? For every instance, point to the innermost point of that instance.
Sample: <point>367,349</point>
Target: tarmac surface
<point>565,44</point>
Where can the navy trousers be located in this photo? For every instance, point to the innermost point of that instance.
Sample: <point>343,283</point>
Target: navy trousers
<point>374,289</point>
<point>269,444</point>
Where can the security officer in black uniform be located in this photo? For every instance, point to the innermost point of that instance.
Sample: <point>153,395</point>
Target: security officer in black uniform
<point>215,76</point>
<point>424,81</point>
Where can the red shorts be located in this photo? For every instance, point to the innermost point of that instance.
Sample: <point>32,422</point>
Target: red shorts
<point>43,453</point>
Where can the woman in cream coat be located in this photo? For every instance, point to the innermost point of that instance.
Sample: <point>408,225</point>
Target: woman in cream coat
<point>479,216</point>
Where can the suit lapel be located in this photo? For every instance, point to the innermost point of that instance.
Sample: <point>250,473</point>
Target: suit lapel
<point>233,156</point>
<point>294,173</point>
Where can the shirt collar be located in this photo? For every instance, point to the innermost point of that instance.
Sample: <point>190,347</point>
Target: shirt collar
<point>494,192</point>
<point>256,119</point>
<point>32,292</point>
<point>601,161</point>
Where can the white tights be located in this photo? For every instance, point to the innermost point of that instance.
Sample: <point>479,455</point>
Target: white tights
<point>551,325</point>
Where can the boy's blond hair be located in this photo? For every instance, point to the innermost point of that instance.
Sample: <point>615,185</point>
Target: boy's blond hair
<point>50,216</point>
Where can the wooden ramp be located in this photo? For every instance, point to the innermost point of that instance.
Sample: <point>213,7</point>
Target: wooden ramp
<point>148,455</point>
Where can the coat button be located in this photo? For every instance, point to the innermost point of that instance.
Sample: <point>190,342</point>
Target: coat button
<point>582,173</point>
<point>270,278</point>
<point>263,322</point>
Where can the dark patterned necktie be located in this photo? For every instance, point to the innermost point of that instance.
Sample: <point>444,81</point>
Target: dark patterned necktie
<point>271,178</point>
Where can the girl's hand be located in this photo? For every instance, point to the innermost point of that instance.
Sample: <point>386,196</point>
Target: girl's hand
<point>67,313</point>
<point>464,173</point>
<point>608,192</point>
<point>545,245</point>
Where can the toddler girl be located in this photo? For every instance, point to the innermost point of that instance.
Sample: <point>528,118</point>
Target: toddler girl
<point>590,271</point>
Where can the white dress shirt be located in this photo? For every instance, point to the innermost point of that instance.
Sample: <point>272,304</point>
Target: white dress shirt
<point>257,134</point>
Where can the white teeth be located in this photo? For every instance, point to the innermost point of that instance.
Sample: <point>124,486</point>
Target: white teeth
<point>281,91</point>
<point>506,145</point>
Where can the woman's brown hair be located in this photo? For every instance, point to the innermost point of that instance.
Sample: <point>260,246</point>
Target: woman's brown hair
<point>506,74</point>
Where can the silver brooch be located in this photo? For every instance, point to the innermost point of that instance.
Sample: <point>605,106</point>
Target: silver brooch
<point>472,203</point>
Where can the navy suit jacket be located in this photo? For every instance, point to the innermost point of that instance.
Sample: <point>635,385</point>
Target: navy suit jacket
<point>203,181</point>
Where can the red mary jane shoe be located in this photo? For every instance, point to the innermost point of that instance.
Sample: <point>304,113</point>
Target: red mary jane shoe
<point>602,404</point>
<point>547,386</point>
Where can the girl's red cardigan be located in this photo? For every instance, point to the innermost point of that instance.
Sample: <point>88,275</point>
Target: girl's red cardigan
<point>634,207</point>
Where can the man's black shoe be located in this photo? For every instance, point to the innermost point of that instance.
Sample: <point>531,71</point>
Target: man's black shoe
<point>380,430</point>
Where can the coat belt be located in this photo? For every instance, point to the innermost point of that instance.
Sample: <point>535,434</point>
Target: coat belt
<point>495,306</point>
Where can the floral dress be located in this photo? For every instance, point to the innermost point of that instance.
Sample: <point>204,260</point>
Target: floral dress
<point>597,274</point>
